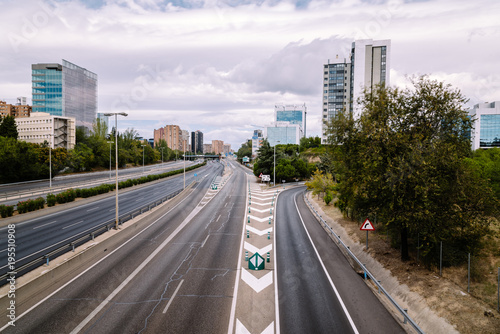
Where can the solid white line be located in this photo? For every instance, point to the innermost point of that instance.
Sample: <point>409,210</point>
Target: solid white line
<point>92,209</point>
<point>232,315</point>
<point>173,296</point>
<point>92,266</point>
<point>135,272</point>
<point>351,322</point>
<point>65,227</point>
<point>44,225</point>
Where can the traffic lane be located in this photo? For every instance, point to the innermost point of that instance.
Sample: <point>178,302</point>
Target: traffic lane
<point>367,312</point>
<point>32,236</point>
<point>139,306</point>
<point>68,307</point>
<point>196,297</point>
<point>307,302</point>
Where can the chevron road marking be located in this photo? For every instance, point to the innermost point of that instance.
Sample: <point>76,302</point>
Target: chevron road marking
<point>260,219</point>
<point>262,204</point>
<point>241,329</point>
<point>257,284</point>
<point>251,248</point>
<point>259,210</point>
<point>257,231</point>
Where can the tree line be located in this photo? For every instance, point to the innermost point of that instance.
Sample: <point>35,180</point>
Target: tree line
<point>22,161</point>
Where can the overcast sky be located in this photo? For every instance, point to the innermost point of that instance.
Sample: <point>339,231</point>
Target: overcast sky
<point>219,66</point>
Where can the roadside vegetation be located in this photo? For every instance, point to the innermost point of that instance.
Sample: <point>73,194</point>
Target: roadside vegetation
<point>22,161</point>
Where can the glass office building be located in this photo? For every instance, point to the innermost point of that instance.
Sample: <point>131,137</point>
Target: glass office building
<point>65,90</point>
<point>283,133</point>
<point>486,132</point>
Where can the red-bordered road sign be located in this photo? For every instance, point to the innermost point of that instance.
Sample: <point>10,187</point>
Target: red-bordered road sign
<point>367,226</point>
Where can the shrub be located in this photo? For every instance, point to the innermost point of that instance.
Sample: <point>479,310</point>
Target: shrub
<point>328,197</point>
<point>51,200</point>
<point>6,210</point>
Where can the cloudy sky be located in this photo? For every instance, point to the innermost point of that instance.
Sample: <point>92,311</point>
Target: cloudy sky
<point>219,66</point>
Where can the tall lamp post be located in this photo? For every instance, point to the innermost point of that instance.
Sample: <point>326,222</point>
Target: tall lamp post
<point>274,168</point>
<point>184,146</point>
<point>116,156</point>
<point>51,135</point>
<point>143,146</point>
<point>161,148</point>
<point>110,142</point>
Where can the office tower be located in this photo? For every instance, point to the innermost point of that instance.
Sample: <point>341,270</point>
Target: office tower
<point>218,146</point>
<point>197,141</point>
<point>257,139</point>
<point>39,127</point>
<point>344,81</point>
<point>486,131</point>
<point>65,90</point>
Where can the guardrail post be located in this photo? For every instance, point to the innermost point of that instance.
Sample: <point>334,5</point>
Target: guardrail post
<point>73,246</point>
<point>364,269</point>
<point>92,235</point>
<point>405,320</point>
<point>378,285</point>
<point>48,260</point>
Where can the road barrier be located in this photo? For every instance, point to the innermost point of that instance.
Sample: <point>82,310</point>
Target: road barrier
<point>406,317</point>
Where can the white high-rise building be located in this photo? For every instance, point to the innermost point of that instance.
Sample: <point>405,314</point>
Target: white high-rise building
<point>344,81</point>
<point>486,132</point>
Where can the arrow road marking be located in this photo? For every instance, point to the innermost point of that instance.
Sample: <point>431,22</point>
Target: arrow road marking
<point>252,249</point>
<point>241,329</point>
<point>257,284</point>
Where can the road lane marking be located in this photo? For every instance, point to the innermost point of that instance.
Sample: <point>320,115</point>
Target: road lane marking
<point>351,322</point>
<point>136,271</point>
<point>173,296</point>
<point>203,244</point>
<point>81,221</point>
<point>92,209</point>
<point>218,219</point>
<point>44,225</point>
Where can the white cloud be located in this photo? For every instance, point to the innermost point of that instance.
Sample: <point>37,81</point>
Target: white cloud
<point>219,66</point>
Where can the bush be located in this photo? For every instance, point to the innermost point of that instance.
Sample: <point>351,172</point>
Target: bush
<point>6,210</point>
<point>328,197</point>
<point>51,200</point>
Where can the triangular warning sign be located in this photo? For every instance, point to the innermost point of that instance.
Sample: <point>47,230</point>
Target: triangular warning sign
<point>367,226</point>
<point>260,175</point>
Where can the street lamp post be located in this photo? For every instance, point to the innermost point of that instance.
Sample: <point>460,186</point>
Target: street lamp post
<point>184,146</point>
<point>110,142</point>
<point>161,148</point>
<point>51,135</point>
<point>274,168</point>
<point>116,156</point>
<point>143,146</point>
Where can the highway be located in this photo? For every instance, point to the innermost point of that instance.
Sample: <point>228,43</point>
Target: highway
<point>10,194</point>
<point>319,292</point>
<point>38,236</point>
<point>184,262</point>
<point>176,273</point>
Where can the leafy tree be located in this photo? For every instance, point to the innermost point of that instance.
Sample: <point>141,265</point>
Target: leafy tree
<point>321,183</point>
<point>8,127</point>
<point>404,160</point>
<point>309,142</point>
<point>244,151</point>
<point>81,158</point>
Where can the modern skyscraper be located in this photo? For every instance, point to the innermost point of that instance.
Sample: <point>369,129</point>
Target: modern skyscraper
<point>197,141</point>
<point>344,81</point>
<point>486,132</point>
<point>65,90</point>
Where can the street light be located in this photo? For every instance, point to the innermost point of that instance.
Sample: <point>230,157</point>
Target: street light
<point>161,148</point>
<point>116,156</point>
<point>184,144</point>
<point>50,161</point>
<point>143,157</point>
<point>274,169</point>
<point>110,142</point>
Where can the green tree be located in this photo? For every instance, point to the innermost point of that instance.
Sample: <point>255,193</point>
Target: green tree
<point>321,183</point>
<point>244,151</point>
<point>8,127</point>
<point>404,160</point>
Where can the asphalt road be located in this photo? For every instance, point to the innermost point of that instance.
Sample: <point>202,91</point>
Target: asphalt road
<point>176,275</point>
<point>39,236</point>
<point>308,302</point>
<point>11,194</point>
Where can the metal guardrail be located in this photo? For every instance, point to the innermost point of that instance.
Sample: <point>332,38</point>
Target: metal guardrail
<point>44,255</point>
<point>366,271</point>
